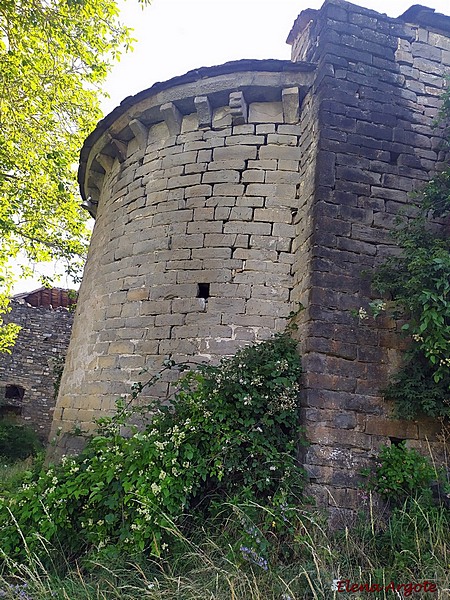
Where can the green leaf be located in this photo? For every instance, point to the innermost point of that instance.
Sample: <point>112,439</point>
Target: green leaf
<point>53,58</point>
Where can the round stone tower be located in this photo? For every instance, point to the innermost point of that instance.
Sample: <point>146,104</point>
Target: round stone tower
<point>196,186</point>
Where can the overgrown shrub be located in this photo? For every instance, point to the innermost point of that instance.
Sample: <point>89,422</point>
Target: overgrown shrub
<point>414,391</point>
<point>400,473</point>
<point>231,433</point>
<point>417,283</point>
<point>17,441</point>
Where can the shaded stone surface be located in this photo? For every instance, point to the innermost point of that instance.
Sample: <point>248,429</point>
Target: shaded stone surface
<point>40,348</point>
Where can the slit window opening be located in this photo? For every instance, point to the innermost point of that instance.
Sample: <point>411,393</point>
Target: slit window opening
<point>203,291</point>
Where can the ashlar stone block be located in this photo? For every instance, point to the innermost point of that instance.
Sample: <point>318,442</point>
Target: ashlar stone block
<point>266,112</point>
<point>204,111</point>
<point>238,108</point>
<point>172,117</point>
<point>291,104</point>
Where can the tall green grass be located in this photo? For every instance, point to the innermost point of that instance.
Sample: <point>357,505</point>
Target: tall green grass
<point>410,546</point>
<point>13,473</point>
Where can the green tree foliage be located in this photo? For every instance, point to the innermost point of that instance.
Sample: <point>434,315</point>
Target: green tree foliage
<point>54,54</point>
<point>8,331</point>
<point>17,441</point>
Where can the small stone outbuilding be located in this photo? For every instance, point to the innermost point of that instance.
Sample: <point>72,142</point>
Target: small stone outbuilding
<point>29,374</point>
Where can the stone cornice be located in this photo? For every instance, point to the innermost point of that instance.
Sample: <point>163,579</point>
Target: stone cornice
<point>258,80</point>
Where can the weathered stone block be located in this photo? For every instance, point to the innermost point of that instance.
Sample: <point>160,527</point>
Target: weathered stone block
<point>235,153</point>
<point>199,190</point>
<point>222,165</point>
<point>241,214</point>
<point>390,428</point>
<point>175,160</point>
<point>291,104</point>
<point>238,108</point>
<point>272,215</point>
<point>248,138</point>
<point>228,189</point>
<point>204,227</point>
<point>183,181</point>
<point>253,176</point>
<point>204,111</point>
<point>219,240</point>
<point>223,304</point>
<point>272,151</point>
<point>251,228</point>
<point>172,117</point>
<point>185,305</point>
<point>265,128</point>
<point>251,201</point>
<point>269,164</point>
<point>227,176</point>
<point>270,308</point>
<point>266,112</point>
<point>221,118</point>
<point>282,139</point>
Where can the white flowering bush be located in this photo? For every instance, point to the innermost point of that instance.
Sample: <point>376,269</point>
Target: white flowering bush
<point>232,431</point>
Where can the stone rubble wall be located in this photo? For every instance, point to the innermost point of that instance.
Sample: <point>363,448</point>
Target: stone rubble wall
<point>41,344</point>
<point>378,87</point>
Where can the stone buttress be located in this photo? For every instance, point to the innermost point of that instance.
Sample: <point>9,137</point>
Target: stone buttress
<point>375,99</point>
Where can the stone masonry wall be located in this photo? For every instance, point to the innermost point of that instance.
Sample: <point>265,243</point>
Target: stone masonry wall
<point>192,251</point>
<point>229,195</point>
<point>42,341</point>
<point>378,86</point>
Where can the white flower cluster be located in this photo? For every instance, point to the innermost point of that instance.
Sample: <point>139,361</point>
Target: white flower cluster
<point>247,400</point>
<point>155,488</point>
<point>287,400</point>
<point>282,365</point>
<point>362,314</point>
<point>145,512</point>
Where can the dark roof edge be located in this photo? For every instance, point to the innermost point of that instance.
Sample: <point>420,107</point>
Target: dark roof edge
<point>426,17</point>
<point>417,14</point>
<point>39,289</point>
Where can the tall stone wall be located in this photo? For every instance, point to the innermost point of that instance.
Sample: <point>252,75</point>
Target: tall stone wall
<point>192,253</point>
<point>225,197</point>
<point>33,364</point>
<point>378,87</point>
